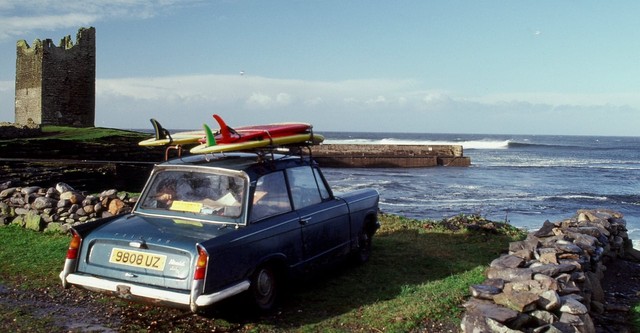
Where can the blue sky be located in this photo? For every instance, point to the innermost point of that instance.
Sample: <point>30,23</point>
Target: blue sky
<point>494,67</point>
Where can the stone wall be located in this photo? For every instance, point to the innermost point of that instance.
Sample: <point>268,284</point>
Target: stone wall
<point>550,282</point>
<point>388,156</point>
<point>55,85</point>
<point>57,208</point>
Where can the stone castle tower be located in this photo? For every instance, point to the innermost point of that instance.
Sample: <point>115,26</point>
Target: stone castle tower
<point>55,85</point>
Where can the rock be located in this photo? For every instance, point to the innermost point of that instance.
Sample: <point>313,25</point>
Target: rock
<point>568,247</point>
<point>510,274</point>
<point>63,203</point>
<point>4,209</point>
<point>40,203</point>
<point>72,196</point>
<point>498,327</point>
<point>484,291</point>
<point>17,201</point>
<point>73,208</point>
<point>546,230</point>
<point>521,301</point>
<point>33,221</point>
<point>8,192</point>
<point>88,200</point>
<point>56,227</point>
<point>18,221</point>
<point>29,190</point>
<point>546,282</point>
<point>80,212</point>
<point>547,255</point>
<point>52,193</point>
<point>549,300</point>
<point>111,194</point>
<point>63,187</point>
<point>89,209</point>
<point>551,270</point>
<point>5,185</point>
<point>543,317</point>
<point>116,206</point>
<point>572,306</point>
<point>507,261</point>
<point>490,310</point>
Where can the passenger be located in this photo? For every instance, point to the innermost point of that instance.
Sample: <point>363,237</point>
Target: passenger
<point>166,193</point>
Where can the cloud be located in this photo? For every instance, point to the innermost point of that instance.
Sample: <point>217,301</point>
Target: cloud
<point>15,26</point>
<point>185,102</point>
<point>576,99</point>
<point>22,17</point>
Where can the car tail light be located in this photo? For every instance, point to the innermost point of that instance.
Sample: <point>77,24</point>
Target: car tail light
<point>72,252</point>
<point>201,264</point>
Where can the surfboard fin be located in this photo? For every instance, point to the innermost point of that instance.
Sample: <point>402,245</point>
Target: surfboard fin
<point>225,130</point>
<point>211,138</point>
<point>161,132</point>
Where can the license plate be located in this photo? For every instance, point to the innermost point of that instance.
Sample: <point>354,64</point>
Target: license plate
<point>137,259</point>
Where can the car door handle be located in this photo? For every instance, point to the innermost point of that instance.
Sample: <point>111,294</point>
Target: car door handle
<point>305,220</point>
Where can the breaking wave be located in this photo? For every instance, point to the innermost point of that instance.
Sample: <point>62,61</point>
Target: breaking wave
<point>468,144</point>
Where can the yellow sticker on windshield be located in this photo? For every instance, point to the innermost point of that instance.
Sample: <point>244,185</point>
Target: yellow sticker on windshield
<point>186,206</point>
<point>192,223</point>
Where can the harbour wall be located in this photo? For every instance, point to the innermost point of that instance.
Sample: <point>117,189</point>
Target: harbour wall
<point>389,156</point>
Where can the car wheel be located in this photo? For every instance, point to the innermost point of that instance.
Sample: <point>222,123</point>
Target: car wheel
<point>264,287</point>
<point>364,246</point>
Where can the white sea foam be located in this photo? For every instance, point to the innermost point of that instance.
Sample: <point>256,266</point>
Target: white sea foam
<point>471,144</point>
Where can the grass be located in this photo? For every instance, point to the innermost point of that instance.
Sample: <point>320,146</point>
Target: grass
<point>83,134</point>
<point>419,274</point>
<point>86,133</point>
<point>635,317</point>
<point>31,257</point>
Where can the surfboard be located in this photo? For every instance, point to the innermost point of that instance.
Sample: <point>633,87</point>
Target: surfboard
<point>259,143</point>
<point>163,137</point>
<point>227,134</point>
<point>254,136</point>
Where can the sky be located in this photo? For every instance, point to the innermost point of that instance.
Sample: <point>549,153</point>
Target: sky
<point>478,66</point>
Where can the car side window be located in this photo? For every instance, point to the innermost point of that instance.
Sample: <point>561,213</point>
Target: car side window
<point>270,197</point>
<point>307,187</point>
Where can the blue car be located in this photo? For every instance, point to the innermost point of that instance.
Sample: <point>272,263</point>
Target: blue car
<point>210,227</point>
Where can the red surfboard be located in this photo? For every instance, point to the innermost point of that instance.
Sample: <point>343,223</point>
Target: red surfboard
<point>227,134</point>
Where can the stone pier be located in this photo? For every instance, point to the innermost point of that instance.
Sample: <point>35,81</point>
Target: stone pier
<point>389,156</point>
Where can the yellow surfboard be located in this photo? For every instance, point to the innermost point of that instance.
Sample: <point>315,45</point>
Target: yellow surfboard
<point>247,145</point>
<point>180,138</point>
<point>163,137</point>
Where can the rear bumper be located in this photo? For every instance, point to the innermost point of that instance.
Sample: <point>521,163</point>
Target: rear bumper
<point>192,300</point>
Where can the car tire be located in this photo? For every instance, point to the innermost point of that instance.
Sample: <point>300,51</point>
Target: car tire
<point>264,288</point>
<point>364,245</point>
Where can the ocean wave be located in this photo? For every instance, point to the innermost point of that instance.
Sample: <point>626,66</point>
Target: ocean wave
<point>578,197</point>
<point>468,144</point>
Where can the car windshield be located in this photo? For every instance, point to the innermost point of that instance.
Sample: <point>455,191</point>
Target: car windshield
<point>195,194</point>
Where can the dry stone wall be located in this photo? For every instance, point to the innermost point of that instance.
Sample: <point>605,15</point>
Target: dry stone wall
<point>56,209</point>
<point>551,281</point>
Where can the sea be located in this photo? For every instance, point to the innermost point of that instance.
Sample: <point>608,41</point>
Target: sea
<point>524,180</point>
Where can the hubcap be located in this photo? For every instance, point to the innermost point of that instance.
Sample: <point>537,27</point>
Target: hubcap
<point>264,283</point>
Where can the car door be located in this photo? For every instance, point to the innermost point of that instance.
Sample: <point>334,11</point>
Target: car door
<point>323,219</point>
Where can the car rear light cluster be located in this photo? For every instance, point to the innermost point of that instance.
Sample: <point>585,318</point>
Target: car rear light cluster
<point>74,245</point>
<point>201,264</point>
